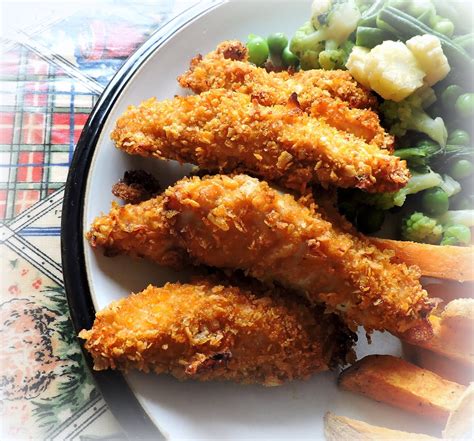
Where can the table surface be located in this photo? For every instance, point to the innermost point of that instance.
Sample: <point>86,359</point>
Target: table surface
<point>56,58</point>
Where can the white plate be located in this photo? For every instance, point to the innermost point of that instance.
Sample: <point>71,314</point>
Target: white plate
<point>192,410</point>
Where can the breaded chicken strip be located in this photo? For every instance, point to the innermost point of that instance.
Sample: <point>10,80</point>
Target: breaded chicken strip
<point>207,331</point>
<point>216,70</point>
<point>138,230</point>
<point>242,223</point>
<point>225,131</point>
<point>332,95</point>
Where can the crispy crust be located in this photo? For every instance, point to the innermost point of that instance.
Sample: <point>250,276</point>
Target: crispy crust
<point>332,95</point>
<point>207,73</point>
<point>208,331</point>
<point>138,230</point>
<point>226,131</point>
<point>241,222</point>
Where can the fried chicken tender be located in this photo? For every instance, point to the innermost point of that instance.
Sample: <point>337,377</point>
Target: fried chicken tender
<point>332,95</point>
<point>226,131</point>
<point>208,331</point>
<point>228,67</point>
<point>242,223</point>
<point>138,230</point>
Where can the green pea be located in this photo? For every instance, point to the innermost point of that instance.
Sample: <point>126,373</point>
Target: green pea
<point>461,169</point>
<point>258,49</point>
<point>445,27</point>
<point>289,58</point>
<point>450,95</point>
<point>459,137</point>
<point>435,201</point>
<point>465,105</point>
<point>277,42</point>
<point>369,219</point>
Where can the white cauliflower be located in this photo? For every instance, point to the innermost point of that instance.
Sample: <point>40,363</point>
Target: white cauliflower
<point>393,71</point>
<point>319,8</point>
<point>390,69</point>
<point>429,54</point>
<point>356,64</point>
<point>335,19</point>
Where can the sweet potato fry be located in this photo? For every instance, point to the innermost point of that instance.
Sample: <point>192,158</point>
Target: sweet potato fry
<point>394,381</point>
<point>339,428</point>
<point>452,338</point>
<point>444,262</point>
<point>453,370</point>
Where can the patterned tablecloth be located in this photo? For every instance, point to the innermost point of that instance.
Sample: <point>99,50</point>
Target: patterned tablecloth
<point>56,59</point>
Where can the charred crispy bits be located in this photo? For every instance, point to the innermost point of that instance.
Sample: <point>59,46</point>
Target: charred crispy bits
<point>136,186</point>
<point>207,331</point>
<point>242,223</point>
<point>226,131</point>
<point>332,95</point>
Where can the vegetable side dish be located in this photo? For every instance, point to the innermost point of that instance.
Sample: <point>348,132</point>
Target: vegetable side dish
<point>357,124</point>
<point>417,56</point>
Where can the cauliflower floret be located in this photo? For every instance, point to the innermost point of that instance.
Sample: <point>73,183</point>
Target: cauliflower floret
<point>343,20</point>
<point>390,69</point>
<point>319,8</point>
<point>393,71</point>
<point>356,64</point>
<point>335,19</point>
<point>429,54</point>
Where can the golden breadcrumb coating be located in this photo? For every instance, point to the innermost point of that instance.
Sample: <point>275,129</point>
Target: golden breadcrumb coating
<point>242,223</point>
<point>207,331</point>
<point>205,73</point>
<point>228,132</point>
<point>138,230</point>
<point>332,95</point>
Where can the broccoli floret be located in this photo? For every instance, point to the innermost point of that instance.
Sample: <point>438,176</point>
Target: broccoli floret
<point>456,235</point>
<point>420,155</point>
<point>321,41</point>
<point>418,182</point>
<point>450,186</point>
<point>409,114</point>
<point>457,217</point>
<point>420,228</point>
<point>307,44</point>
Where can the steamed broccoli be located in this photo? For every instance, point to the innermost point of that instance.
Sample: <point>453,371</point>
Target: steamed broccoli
<point>409,114</point>
<point>456,235</point>
<point>420,228</point>
<point>321,42</point>
<point>450,186</point>
<point>418,182</point>
<point>420,155</point>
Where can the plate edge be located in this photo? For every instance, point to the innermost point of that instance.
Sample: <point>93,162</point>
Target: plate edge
<point>134,420</point>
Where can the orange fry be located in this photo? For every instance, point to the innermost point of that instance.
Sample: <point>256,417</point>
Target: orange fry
<point>444,262</point>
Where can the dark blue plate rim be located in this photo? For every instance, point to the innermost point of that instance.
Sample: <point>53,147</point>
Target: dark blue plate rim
<point>134,420</point>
